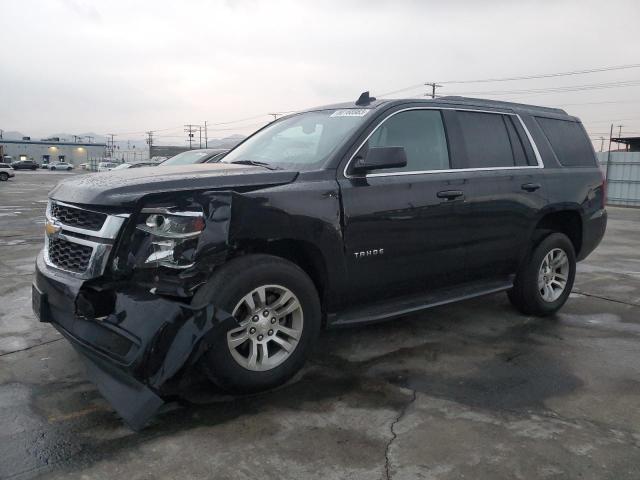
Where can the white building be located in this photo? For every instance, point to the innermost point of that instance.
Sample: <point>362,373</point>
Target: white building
<point>51,150</point>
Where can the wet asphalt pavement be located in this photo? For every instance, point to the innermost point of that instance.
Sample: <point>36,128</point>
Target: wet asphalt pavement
<point>472,390</point>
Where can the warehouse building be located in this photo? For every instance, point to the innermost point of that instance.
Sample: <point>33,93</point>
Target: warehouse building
<point>50,150</point>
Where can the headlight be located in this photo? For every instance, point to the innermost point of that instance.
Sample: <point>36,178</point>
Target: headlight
<point>173,236</point>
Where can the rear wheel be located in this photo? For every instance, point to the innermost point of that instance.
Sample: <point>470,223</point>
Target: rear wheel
<point>4,176</point>
<point>52,168</point>
<point>277,309</point>
<point>545,280</point>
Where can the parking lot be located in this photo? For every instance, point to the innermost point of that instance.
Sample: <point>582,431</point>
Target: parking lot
<point>471,390</point>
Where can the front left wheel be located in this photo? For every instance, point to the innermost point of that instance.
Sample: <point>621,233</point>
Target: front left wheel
<point>4,176</point>
<point>277,310</point>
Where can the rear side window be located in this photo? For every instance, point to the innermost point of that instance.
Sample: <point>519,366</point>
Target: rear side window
<point>568,141</point>
<point>488,141</point>
<point>421,133</point>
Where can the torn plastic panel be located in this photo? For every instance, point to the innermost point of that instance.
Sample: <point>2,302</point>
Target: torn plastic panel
<point>195,256</point>
<point>137,353</point>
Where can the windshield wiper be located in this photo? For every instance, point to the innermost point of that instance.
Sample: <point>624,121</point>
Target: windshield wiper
<point>256,163</point>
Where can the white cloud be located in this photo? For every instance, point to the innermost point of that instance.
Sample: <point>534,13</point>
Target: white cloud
<point>80,65</point>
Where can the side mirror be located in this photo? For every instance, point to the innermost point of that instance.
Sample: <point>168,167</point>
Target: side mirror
<point>378,158</point>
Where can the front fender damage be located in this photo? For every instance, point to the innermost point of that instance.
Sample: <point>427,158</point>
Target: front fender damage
<point>169,338</point>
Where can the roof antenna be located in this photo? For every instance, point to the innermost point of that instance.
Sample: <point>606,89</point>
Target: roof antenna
<point>365,99</point>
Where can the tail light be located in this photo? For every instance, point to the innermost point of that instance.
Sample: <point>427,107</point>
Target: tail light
<point>604,188</point>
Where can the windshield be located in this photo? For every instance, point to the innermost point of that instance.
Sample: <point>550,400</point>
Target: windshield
<point>186,158</point>
<point>300,142</point>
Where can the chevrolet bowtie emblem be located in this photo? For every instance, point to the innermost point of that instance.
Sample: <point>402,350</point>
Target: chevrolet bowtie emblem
<point>51,229</point>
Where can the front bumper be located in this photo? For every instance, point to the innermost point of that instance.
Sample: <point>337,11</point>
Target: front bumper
<point>138,349</point>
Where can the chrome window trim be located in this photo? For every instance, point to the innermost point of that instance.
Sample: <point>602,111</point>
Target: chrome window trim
<point>536,152</point>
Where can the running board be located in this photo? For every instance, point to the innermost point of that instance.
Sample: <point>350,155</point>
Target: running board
<point>381,311</point>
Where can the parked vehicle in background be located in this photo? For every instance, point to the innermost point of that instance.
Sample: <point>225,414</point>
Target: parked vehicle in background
<point>60,166</point>
<point>24,165</point>
<point>6,172</point>
<point>124,166</point>
<point>84,166</point>
<point>190,157</point>
<point>336,216</point>
<point>106,166</point>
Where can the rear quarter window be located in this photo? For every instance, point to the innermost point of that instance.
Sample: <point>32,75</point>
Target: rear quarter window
<point>568,141</point>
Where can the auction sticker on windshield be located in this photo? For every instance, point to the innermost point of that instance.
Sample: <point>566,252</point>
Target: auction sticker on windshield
<point>351,112</point>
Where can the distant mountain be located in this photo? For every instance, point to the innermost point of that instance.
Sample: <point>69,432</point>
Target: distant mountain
<point>226,142</point>
<point>121,144</point>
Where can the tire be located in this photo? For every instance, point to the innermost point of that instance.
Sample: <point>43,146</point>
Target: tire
<point>526,295</point>
<point>52,168</point>
<point>4,176</point>
<point>231,368</point>
<point>34,168</point>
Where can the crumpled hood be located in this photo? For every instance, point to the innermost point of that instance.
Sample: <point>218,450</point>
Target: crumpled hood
<point>121,188</point>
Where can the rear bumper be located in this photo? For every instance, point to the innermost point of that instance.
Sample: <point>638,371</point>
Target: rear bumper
<point>134,351</point>
<point>593,228</point>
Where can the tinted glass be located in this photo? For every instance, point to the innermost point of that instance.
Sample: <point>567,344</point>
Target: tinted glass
<point>422,135</point>
<point>486,140</point>
<point>302,142</point>
<point>187,158</point>
<point>516,143</point>
<point>568,141</point>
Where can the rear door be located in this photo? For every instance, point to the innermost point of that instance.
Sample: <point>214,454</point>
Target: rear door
<point>504,190</point>
<point>402,227</point>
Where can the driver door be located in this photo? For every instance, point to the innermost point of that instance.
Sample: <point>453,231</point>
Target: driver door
<point>402,228</point>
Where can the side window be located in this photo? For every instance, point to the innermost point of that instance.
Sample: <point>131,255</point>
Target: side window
<point>568,141</point>
<point>486,140</point>
<point>421,133</point>
<point>517,147</point>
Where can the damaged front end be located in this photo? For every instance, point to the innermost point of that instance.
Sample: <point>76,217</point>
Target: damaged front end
<point>118,285</point>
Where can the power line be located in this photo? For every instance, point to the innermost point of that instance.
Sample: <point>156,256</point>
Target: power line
<point>189,129</point>
<point>571,88</point>
<point>433,86</point>
<point>546,75</point>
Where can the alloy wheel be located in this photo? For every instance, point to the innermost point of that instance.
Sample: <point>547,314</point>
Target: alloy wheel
<point>270,321</point>
<point>553,275</point>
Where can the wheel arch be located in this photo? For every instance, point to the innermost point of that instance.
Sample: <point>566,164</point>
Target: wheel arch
<point>567,221</point>
<point>304,254</point>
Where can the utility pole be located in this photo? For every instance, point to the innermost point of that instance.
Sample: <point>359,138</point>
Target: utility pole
<point>606,172</point>
<point>433,86</point>
<point>601,143</point>
<point>88,137</point>
<point>1,132</point>
<point>200,128</point>
<point>189,129</point>
<point>619,130</point>
<point>206,137</point>
<point>110,146</point>
<point>150,141</point>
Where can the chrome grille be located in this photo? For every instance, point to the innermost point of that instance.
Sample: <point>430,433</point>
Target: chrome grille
<point>76,217</point>
<point>79,240</point>
<point>69,256</point>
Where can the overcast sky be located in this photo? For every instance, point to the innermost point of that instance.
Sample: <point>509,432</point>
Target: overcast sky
<point>128,66</point>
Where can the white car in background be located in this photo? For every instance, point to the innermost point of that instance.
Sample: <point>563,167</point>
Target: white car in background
<point>107,166</point>
<point>60,166</point>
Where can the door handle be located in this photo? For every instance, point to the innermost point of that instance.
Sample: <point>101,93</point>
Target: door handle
<point>530,187</point>
<point>450,194</point>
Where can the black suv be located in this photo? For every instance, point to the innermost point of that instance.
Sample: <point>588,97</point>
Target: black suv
<point>335,216</point>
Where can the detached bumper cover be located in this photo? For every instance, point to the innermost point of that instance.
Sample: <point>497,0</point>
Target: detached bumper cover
<point>132,353</point>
